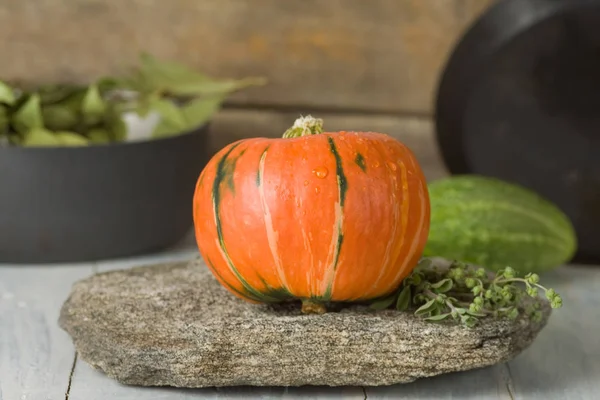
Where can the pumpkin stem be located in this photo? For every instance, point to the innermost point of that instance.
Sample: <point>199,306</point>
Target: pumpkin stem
<point>305,126</point>
<point>312,307</point>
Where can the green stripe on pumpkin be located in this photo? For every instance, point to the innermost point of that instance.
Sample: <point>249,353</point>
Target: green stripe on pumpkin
<point>339,171</point>
<point>360,161</point>
<point>227,284</point>
<point>280,293</point>
<point>223,171</point>
<point>342,183</point>
<point>258,174</point>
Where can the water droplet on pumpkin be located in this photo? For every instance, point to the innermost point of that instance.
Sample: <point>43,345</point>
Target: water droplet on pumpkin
<point>376,164</point>
<point>317,190</point>
<point>306,183</point>
<point>392,166</point>
<point>303,212</point>
<point>320,172</point>
<point>359,140</point>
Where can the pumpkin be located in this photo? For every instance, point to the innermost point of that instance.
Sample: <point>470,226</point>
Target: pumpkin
<point>316,216</point>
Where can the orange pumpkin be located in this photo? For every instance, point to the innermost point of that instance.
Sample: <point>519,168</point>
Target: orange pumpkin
<point>316,216</point>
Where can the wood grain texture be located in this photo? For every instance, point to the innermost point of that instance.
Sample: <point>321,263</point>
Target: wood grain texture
<point>486,383</point>
<point>416,133</point>
<point>36,356</point>
<point>382,55</point>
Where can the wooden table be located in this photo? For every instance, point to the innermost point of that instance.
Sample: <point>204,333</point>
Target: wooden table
<point>38,361</point>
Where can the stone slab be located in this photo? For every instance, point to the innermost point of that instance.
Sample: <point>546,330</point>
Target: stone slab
<point>175,325</point>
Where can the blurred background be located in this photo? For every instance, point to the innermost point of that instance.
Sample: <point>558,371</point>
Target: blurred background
<point>499,101</point>
<point>359,65</point>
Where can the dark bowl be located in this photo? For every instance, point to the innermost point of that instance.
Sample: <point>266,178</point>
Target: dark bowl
<point>88,203</point>
<point>518,100</point>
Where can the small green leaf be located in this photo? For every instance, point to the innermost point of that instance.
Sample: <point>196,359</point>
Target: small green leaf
<point>71,139</point>
<point>383,303</point>
<point>427,307</point>
<point>59,117</point>
<point>425,263</point>
<point>7,96</point>
<point>436,318</point>
<point>214,87</point>
<point>198,112</point>
<point>165,75</point>
<point>469,321</point>
<point>403,301</point>
<point>29,115</point>
<point>442,286</point>
<point>93,106</point>
<point>38,137</point>
<point>180,80</point>
<point>475,313</point>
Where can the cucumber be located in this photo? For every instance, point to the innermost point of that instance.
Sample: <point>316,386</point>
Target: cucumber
<point>492,223</point>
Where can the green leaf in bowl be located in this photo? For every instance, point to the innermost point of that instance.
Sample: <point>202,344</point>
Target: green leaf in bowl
<point>38,137</point>
<point>214,87</point>
<point>55,93</point>
<point>114,124</point>
<point>93,106</point>
<point>59,117</point>
<point>4,120</point>
<point>165,75</point>
<point>199,111</point>
<point>7,96</point>
<point>99,136</point>
<point>29,115</point>
<point>172,120</point>
<point>71,139</point>
<point>180,80</point>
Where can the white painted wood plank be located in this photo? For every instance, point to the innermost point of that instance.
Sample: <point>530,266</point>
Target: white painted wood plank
<point>36,356</point>
<point>564,361</point>
<point>89,384</point>
<point>485,384</point>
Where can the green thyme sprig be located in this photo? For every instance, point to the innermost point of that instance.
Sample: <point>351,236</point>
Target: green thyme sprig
<point>466,294</point>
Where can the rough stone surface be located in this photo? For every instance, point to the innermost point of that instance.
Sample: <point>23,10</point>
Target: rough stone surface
<point>174,325</point>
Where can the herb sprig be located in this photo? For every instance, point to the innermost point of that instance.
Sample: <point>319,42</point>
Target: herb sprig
<point>466,294</point>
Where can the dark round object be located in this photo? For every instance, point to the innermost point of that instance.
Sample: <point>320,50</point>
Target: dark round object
<point>88,203</point>
<point>519,100</point>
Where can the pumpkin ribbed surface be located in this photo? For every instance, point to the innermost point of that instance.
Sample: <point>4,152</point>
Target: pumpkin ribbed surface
<point>337,216</point>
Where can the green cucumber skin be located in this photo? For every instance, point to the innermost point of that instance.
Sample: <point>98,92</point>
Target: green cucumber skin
<point>491,223</point>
